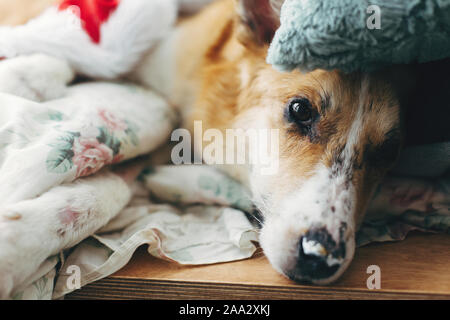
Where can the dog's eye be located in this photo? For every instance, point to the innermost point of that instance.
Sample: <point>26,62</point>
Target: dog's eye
<point>300,111</point>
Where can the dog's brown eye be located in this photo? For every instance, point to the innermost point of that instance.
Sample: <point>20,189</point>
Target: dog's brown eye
<point>300,110</point>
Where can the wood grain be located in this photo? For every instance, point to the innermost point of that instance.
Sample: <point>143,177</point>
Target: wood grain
<point>416,268</point>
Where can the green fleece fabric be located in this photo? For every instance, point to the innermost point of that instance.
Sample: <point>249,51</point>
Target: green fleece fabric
<point>333,34</point>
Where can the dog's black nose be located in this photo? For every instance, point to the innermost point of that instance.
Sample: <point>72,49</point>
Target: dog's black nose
<point>320,257</point>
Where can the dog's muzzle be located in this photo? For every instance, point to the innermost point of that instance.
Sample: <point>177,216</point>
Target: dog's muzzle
<point>319,256</point>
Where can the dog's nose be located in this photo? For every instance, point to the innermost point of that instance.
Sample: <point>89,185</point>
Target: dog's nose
<point>320,257</point>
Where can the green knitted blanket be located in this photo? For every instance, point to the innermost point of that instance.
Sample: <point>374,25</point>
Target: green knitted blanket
<point>360,34</point>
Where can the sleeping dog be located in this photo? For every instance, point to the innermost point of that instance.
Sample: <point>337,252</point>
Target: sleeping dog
<point>338,133</point>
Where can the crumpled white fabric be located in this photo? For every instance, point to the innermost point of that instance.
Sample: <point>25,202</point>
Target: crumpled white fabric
<point>199,223</point>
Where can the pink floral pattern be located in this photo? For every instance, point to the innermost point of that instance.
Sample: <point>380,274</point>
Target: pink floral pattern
<point>90,156</point>
<point>111,121</point>
<point>92,148</point>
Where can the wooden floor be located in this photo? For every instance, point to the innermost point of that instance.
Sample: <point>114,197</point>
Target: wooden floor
<point>416,268</point>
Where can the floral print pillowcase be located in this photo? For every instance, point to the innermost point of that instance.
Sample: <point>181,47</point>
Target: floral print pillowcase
<point>94,125</point>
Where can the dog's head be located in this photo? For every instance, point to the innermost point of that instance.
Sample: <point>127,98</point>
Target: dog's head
<point>338,135</point>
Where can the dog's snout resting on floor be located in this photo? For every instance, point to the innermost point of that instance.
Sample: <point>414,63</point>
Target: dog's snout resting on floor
<point>319,256</point>
<point>338,133</point>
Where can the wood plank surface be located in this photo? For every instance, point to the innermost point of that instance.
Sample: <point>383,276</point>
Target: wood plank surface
<point>416,268</point>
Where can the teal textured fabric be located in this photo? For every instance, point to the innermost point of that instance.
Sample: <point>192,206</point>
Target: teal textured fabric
<point>333,34</point>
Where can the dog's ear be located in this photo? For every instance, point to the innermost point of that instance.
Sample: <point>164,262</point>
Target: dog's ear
<point>258,20</point>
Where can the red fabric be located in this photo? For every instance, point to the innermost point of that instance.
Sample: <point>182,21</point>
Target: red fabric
<point>92,14</point>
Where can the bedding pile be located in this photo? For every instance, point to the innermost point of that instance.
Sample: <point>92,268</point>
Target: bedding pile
<point>70,153</point>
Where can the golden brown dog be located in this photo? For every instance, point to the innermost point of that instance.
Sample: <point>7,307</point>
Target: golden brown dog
<point>338,133</point>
